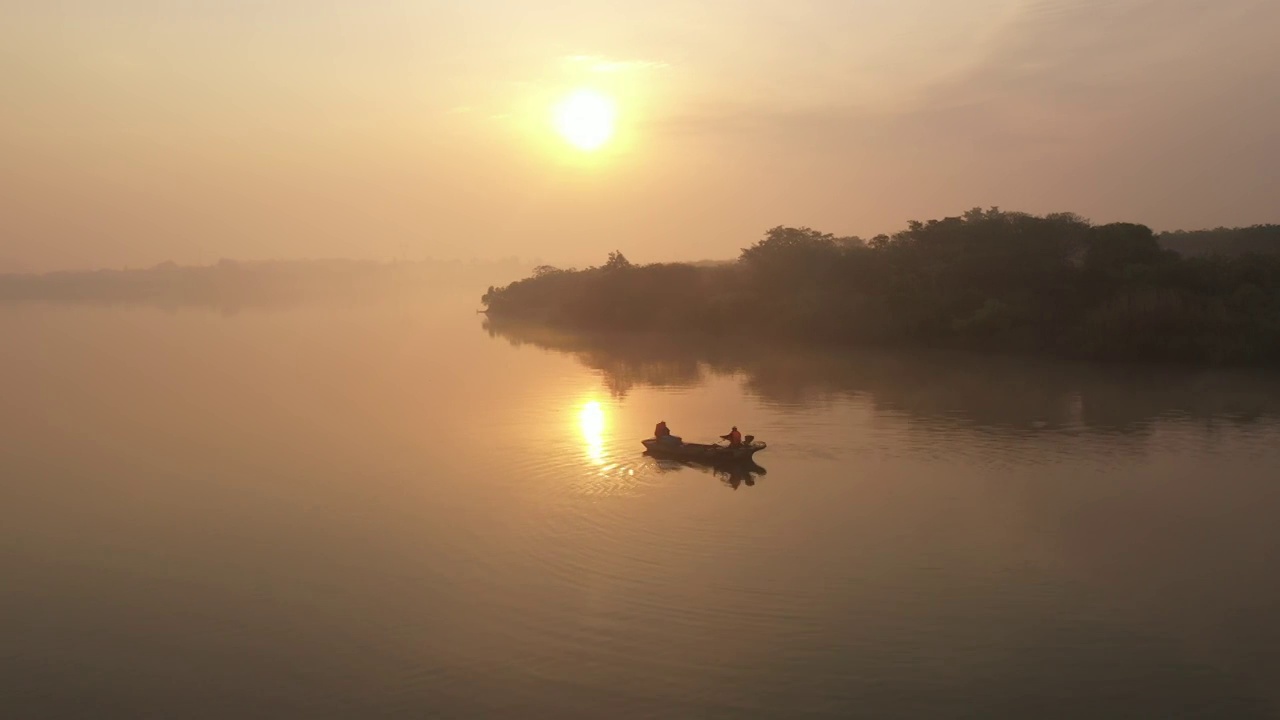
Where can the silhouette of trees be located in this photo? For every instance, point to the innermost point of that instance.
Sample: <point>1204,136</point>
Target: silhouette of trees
<point>1260,239</point>
<point>987,279</point>
<point>617,261</point>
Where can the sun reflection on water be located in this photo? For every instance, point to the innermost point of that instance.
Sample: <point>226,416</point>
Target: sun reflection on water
<point>591,421</point>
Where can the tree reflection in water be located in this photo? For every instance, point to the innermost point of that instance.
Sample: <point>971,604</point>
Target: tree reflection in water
<point>956,390</point>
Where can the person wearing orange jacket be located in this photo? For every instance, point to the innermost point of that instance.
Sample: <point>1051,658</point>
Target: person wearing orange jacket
<point>734,437</point>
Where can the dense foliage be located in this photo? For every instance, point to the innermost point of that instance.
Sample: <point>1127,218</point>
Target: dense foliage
<point>1263,239</point>
<point>986,280</point>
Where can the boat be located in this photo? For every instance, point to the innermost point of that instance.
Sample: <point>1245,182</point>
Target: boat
<point>699,452</point>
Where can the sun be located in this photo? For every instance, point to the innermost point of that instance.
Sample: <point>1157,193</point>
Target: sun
<point>585,119</point>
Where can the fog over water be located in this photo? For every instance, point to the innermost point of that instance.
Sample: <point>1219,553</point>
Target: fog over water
<point>392,508</point>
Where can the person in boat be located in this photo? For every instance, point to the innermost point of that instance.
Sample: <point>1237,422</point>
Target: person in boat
<point>734,437</point>
<point>663,433</point>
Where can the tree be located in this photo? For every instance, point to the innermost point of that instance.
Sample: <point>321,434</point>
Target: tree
<point>1118,245</point>
<point>788,245</point>
<point>617,261</point>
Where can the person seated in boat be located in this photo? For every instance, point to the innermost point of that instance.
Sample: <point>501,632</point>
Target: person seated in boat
<point>734,437</point>
<point>663,433</point>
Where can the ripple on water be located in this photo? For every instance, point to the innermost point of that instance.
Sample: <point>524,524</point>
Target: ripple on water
<point>594,561</point>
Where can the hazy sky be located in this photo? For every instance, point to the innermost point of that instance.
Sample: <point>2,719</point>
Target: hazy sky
<point>136,131</point>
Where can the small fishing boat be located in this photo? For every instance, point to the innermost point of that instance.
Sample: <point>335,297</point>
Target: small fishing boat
<point>698,452</point>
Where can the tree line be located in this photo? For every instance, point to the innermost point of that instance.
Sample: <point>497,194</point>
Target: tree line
<point>985,280</point>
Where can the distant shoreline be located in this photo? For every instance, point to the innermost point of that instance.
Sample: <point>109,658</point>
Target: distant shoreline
<point>232,284</point>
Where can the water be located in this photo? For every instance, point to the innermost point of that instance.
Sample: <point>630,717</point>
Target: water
<point>383,510</point>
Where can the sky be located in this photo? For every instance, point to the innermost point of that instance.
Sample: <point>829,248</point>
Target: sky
<point>134,132</point>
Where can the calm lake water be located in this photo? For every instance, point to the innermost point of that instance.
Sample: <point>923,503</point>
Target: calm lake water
<point>390,510</point>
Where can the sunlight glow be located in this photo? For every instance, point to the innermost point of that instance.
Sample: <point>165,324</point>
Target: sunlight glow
<point>586,119</point>
<point>591,421</point>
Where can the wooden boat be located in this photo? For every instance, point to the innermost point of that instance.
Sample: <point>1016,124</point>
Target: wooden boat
<point>698,452</point>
